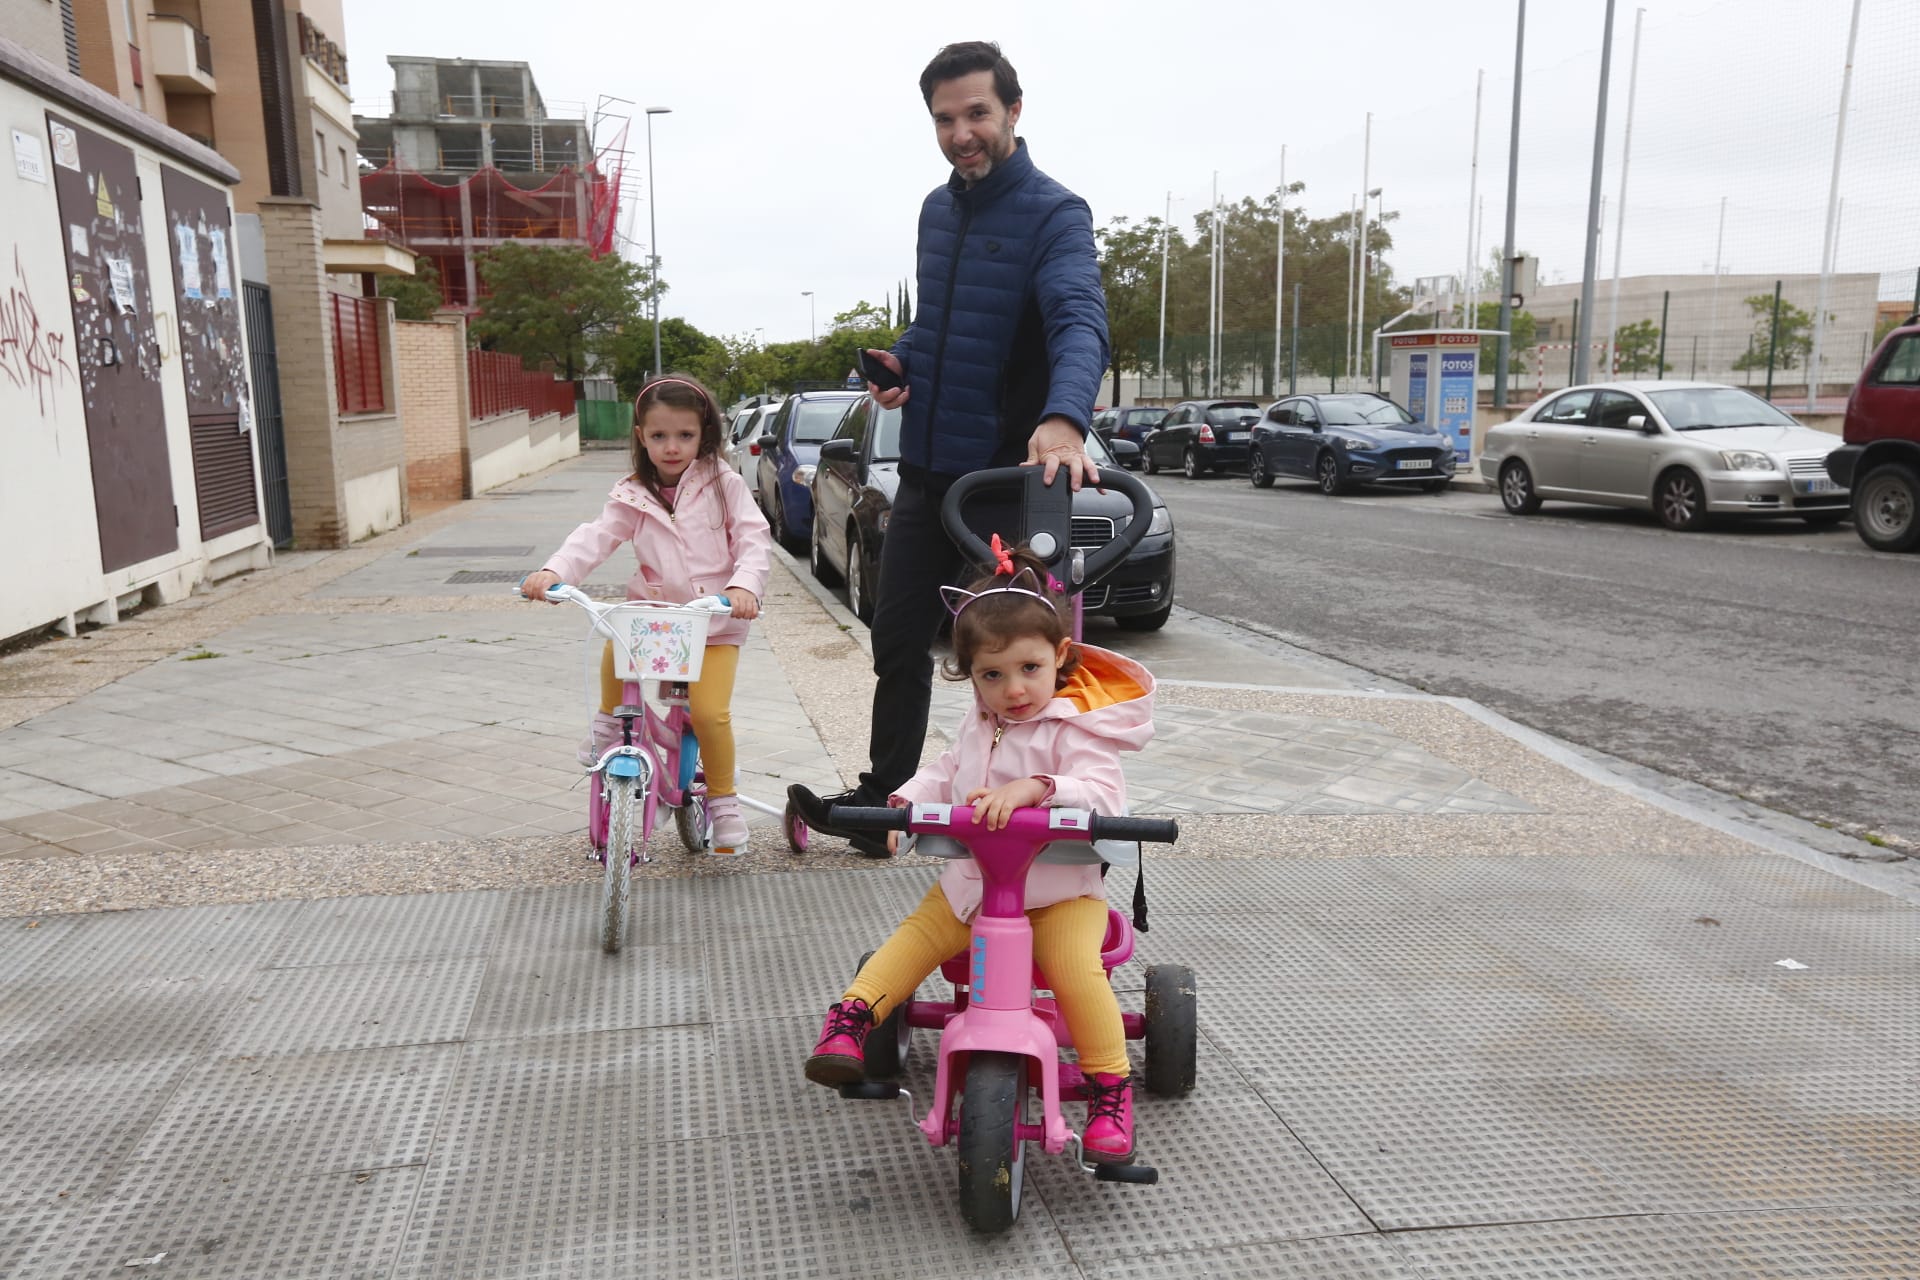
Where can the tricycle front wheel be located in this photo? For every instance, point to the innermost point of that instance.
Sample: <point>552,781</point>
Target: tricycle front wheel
<point>992,1160</point>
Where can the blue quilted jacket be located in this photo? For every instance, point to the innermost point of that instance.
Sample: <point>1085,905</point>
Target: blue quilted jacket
<point>1011,325</point>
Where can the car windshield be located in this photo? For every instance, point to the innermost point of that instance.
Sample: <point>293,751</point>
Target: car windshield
<point>1230,415</point>
<point>1146,417</point>
<point>1704,408</point>
<point>886,435</point>
<point>1367,411</point>
<point>815,420</point>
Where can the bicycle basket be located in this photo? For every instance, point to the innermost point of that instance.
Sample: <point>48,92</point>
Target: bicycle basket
<point>659,644</point>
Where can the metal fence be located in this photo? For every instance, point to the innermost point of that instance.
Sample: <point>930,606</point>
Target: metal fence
<point>498,383</point>
<point>357,382</point>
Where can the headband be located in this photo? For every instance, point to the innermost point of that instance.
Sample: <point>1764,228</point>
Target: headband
<point>696,388</point>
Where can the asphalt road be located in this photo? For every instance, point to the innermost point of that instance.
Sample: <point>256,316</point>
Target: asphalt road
<point>1767,660</point>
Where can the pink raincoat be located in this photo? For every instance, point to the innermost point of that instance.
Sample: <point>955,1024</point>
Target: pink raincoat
<point>1073,745</point>
<point>714,538</point>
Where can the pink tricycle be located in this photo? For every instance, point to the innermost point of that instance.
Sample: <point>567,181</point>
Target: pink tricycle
<point>1000,1035</point>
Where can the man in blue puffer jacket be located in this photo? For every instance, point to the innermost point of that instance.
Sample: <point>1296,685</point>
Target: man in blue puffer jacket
<point>1002,363</point>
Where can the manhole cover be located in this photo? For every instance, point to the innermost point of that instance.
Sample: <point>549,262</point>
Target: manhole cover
<point>467,577</point>
<point>475,553</point>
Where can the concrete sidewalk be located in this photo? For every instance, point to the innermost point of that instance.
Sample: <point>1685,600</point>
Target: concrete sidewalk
<point>297,973</point>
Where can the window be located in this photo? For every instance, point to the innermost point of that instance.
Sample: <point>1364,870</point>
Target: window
<point>886,435</point>
<point>320,150</point>
<point>1305,414</point>
<point>854,426</point>
<point>814,421</point>
<point>1901,368</point>
<point>1146,419</point>
<point>343,166</point>
<point>1568,410</point>
<point>1281,413</point>
<point>1612,409</point>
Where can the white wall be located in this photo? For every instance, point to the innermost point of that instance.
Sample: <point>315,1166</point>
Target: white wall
<point>519,447</point>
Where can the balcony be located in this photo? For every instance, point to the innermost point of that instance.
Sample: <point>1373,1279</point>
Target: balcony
<point>179,54</point>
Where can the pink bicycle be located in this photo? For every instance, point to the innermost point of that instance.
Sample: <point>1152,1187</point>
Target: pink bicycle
<point>1000,1037</point>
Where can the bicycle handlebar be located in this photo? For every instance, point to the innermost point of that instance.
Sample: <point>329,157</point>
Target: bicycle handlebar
<point>1100,826</point>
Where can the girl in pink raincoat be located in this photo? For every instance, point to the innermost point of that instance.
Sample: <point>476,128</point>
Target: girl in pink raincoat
<point>695,532</point>
<point>1049,720</point>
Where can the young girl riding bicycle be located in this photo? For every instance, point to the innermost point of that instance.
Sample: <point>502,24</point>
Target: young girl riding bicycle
<point>695,532</point>
<point>1049,721</point>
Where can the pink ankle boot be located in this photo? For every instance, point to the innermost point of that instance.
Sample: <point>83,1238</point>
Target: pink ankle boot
<point>840,1056</point>
<point>1109,1135</point>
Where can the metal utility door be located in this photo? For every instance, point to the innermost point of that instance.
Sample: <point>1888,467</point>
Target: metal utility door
<point>220,413</point>
<point>264,355</point>
<point>115,349</point>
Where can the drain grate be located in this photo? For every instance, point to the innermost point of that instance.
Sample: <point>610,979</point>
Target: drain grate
<point>523,493</point>
<point>475,553</point>
<point>475,577</point>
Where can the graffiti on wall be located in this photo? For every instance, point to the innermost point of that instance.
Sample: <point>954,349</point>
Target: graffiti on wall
<point>33,357</point>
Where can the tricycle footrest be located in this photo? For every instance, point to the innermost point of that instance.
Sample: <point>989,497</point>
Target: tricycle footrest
<point>871,1091</point>
<point>1139,1174</point>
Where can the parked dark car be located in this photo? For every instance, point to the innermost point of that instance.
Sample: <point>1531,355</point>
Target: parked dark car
<point>1880,460</point>
<point>1128,422</point>
<point>1338,441</point>
<point>789,450</point>
<point>1201,436</point>
<point>853,489</point>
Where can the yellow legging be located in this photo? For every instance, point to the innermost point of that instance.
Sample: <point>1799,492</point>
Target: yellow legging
<point>709,702</point>
<point>1066,946</point>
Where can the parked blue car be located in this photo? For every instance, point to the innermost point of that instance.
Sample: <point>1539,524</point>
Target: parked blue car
<point>789,452</point>
<point>1341,441</point>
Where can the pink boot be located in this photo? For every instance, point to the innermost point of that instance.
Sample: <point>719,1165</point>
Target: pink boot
<point>840,1057</point>
<point>1109,1135</point>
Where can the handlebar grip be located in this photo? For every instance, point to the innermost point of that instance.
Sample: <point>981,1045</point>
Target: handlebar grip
<point>1151,830</point>
<point>864,818</point>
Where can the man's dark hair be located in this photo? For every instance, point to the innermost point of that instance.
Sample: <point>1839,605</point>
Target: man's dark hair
<point>964,59</point>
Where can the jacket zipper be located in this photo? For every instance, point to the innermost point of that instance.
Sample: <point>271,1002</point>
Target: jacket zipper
<point>940,352</point>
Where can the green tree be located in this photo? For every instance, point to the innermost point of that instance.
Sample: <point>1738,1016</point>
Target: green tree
<point>415,297</point>
<point>1524,334</point>
<point>1637,346</point>
<point>559,304</point>
<point>682,346</point>
<point>1795,338</point>
<point>1130,274</point>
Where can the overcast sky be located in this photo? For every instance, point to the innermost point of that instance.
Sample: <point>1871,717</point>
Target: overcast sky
<point>799,149</point>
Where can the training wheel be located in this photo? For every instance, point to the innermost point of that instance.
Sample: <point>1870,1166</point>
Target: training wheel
<point>796,828</point>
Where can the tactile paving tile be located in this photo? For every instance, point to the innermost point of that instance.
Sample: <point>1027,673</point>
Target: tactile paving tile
<point>1695,1143</point>
<point>1873,1116</point>
<point>1726,1025</point>
<point>581,988</point>
<point>294,1011</point>
<point>1230,1173</point>
<point>84,1022</point>
<point>1238,950</point>
<point>844,1201</point>
<point>1308,1032</point>
<point>70,1128</point>
<point>657,1209</point>
<point>1469,882</point>
<point>623,1089</point>
<point>287,1117</point>
<point>336,1226</point>
<point>1358,1257</point>
<point>1643,1248</point>
<point>1776,880</point>
<point>1884,1007</point>
<point>1881,1242</point>
<point>662,912</point>
<point>751,978</point>
<point>1424,1152</point>
<point>851,904</point>
<point>1411,943</point>
<point>422,926</point>
<point>1260,885</point>
<point>177,942</point>
<point>1529,1025</point>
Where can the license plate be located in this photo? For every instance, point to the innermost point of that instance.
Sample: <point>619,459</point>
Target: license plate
<point>1415,464</point>
<point>1816,486</point>
<point>1235,437</point>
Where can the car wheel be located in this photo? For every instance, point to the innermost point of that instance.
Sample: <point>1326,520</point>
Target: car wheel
<point>781,529</point>
<point>1146,621</point>
<point>1148,462</point>
<point>1885,504</point>
<point>859,585</point>
<point>1516,489</point>
<point>1681,501</point>
<point>1257,473</point>
<point>1437,486</point>
<point>1326,471</point>
<point>1190,464</point>
<point>817,560</point>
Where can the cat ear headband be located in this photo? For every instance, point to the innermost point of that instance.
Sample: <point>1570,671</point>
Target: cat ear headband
<point>958,598</point>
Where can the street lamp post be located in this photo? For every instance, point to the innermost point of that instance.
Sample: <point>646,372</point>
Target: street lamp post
<point>812,330</point>
<point>653,236</point>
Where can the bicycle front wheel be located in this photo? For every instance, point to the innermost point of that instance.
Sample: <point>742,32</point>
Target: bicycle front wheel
<point>622,839</point>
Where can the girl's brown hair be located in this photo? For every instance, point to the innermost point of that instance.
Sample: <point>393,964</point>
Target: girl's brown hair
<point>995,621</point>
<point>676,391</point>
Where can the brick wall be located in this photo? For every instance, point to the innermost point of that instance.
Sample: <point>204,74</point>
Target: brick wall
<point>316,480</point>
<point>430,371</point>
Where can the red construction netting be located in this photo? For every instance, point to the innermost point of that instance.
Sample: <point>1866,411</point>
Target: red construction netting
<point>572,204</point>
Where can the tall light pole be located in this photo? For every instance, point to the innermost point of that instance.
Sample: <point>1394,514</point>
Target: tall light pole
<point>1833,215</point>
<point>1381,206</point>
<point>1505,321</point>
<point>1166,233</point>
<point>812,332</point>
<point>1360,321</point>
<point>1279,268</point>
<point>1620,209</point>
<point>653,236</point>
<point>1582,356</point>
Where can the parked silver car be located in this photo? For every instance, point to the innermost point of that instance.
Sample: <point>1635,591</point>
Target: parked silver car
<point>742,446</point>
<point>1687,451</point>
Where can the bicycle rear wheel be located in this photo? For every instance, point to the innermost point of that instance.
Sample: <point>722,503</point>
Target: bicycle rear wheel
<point>622,839</point>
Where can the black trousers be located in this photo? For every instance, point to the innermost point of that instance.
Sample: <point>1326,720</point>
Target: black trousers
<point>916,560</point>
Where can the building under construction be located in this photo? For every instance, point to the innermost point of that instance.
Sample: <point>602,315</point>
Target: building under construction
<point>470,159</point>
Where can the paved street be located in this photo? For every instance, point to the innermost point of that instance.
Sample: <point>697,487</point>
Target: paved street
<point>298,975</point>
<point>1768,660</point>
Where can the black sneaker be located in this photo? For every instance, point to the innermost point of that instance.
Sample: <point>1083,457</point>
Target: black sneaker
<point>813,811</point>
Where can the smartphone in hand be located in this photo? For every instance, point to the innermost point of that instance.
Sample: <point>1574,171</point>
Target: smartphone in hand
<point>875,370</point>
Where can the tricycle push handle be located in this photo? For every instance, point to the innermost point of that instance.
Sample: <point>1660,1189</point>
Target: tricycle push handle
<point>1099,826</point>
<point>1046,513</point>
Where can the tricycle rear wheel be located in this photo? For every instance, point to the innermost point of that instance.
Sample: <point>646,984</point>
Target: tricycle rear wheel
<point>992,1163</point>
<point>886,1047</point>
<point>1173,1031</point>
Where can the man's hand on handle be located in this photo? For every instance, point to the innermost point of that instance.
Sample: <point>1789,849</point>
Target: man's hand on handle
<point>1057,443</point>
